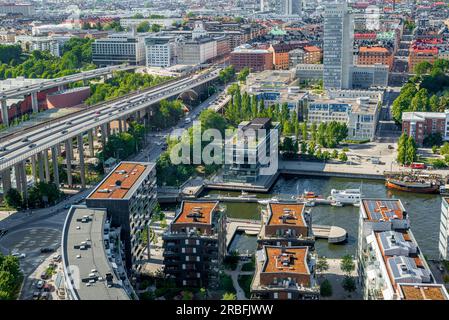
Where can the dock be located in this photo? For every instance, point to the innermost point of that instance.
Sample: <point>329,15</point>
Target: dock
<point>250,227</point>
<point>333,234</point>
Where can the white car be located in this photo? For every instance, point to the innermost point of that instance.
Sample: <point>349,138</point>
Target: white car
<point>19,255</point>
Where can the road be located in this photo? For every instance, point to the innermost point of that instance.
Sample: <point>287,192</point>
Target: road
<point>32,142</point>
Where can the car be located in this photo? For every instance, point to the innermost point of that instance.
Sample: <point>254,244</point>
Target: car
<point>67,206</point>
<point>45,295</point>
<point>68,123</point>
<point>64,131</point>
<point>57,257</point>
<point>47,250</point>
<point>2,148</point>
<point>40,284</point>
<point>36,295</point>
<point>44,276</point>
<point>32,145</point>
<point>24,140</point>
<point>390,147</point>
<point>19,255</point>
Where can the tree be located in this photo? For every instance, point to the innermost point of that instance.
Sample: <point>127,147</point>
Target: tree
<point>402,149</point>
<point>313,132</point>
<point>322,265</point>
<point>43,193</point>
<point>155,28</point>
<point>304,130</point>
<point>243,74</point>
<point>349,284</point>
<point>343,157</point>
<point>13,199</point>
<point>410,155</point>
<point>334,154</point>
<point>444,148</point>
<point>326,288</point>
<point>144,26</point>
<point>229,296</point>
<point>289,147</point>
<point>347,264</point>
<point>422,67</point>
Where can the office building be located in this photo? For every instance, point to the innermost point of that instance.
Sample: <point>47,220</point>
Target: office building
<point>337,46</point>
<point>161,51</point>
<point>360,114</point>
<point>369,76</point>
<point>388,254</point>
<point>249,155</point>
<point>128,193</point>
<point>254,58</point>
<point>443,243</point>
<point>286,224</point>
<point>195,244</point>
<point>91,257</point>
<point>118,49</point>
<point>285,273</point>
<point>198,51</point>
<point>309,72</point>
<point>25,9</point>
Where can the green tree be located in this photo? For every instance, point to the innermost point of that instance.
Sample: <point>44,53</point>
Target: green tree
<point>304,130</point>
<point>422,67</point>
<point>326,288</point>
<point>43,193</point>
<point>229,296</point>
<point>349,284</point>
<point>347,264</point>
<point>313,132</point>
<point>402,149</point>
<point>144,26</point>
<point>13,198</point>
<point>343,157</point>
<point>410,155</point>
<point>243,74</point>
<point>322,265</point>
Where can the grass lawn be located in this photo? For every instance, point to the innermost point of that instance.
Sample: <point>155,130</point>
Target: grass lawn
<point>245,284</point>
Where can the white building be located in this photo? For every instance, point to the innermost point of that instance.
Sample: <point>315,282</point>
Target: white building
<point>337,46</point>
<point>163,22</point>
<point>161,50</point>
<point>197,51</point>
<point>443,245</point>
<point>389,259</point>
<point>53,44</point>
<point>358,111</point>
<point>26,9</point>
<point>367,76</point>
<point>118,49</point>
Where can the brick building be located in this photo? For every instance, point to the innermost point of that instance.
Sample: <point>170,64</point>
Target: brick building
<point>375,55</point>
<point>254,58</point>
<point>421,124</point>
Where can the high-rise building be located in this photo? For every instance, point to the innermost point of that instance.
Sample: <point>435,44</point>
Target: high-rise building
<point>118,49</point>
<point>128,193</point>
<point>288,7</point>
<point>195,244</point>
<point>337,46</point>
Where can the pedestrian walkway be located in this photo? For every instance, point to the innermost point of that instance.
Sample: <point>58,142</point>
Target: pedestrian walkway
<point>234,274</point>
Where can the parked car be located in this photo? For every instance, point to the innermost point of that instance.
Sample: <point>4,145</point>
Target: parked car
<point>36,295</point>
<point>57,257</point>
<point>44,276</point>
<point>47,250</point>
<point>40,284</point>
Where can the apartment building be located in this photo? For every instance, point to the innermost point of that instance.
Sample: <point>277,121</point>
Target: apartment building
<point>368,76</point>
<point>418,54</point>
<point>91,257</point>
<point>443,244</point>
<point>388,254</point>
<point>250,154</point>
<point>286,224</point>
<point>375,55</point>
<point>284,273</point>
<point>419,125</point>
<point>281,54</point>
<point>128,193</point>
<point>163,22</point>
<point>195,244</point>
<point>255,59</point>
<point>118,49</point>
<point>26,9</point>
<point>309,72</point>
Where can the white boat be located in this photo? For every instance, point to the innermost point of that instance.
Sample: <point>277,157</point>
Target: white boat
<point>348,196</point>
<point>247,195</point>
<point>267,201</point>
<point>337,204</point>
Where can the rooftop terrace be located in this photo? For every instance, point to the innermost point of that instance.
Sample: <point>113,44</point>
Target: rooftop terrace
<point>286,214</point>
<point>383,210</point>
<point>196,212</point>
<point>290,260</point>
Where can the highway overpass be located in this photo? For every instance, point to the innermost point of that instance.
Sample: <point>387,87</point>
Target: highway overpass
<point>37,143</point>
<point>33,89</point>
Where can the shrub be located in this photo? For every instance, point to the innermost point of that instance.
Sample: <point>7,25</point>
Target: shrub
<point>326,289</point>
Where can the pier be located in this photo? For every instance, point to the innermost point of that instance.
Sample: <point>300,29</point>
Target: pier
<point>333,234</point>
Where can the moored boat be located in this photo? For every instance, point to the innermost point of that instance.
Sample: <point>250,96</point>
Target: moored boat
<point>422,186</point>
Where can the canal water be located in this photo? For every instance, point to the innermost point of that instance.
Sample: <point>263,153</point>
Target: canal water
<point>424,210</point>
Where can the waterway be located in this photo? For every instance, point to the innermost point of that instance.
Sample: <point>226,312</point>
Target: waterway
<point>424,210</point>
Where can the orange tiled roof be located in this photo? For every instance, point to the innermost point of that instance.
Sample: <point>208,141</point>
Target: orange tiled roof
<point>373,49</point>
<point>422,292</point>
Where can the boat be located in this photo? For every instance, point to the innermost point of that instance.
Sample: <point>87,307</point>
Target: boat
<point>348,196</point>
<point>337,204</point>
<point>245,194</point>
<point>267,201</point>
<point>418,186</point>
<point>444,190</point>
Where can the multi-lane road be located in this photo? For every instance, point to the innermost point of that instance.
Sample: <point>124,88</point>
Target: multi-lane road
<point>33,141</point>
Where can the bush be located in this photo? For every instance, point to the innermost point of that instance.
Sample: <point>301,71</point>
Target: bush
<point>326,289</point>
<point>226,284</point>
<point>13,199</point>
<point>349,284</point>
<point>245,283</point>
<point>439,164</point>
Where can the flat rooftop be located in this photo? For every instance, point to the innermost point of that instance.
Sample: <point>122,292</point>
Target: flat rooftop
<point>383,210</point>
<point>119,181</point>
<point>290,259</point>
<point>90,232</point>
<point>286,214</point>
<point>422,291</point>
<point>196,212</point>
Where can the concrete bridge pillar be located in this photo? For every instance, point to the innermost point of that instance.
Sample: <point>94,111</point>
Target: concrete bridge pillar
<point>5,115</point>
<point>46,166</point>
<point>33,167</point>
<point>6,180</point>
<point>104,138</point>
<point>23,179</point>
<point>90,139</point>
<point>18,177</point>
<point>34,102</point>
<point>81,157</point>
<point>41,167</point>
<point>54,159</point>
<point>68,154</point>
<point>120,127</point>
